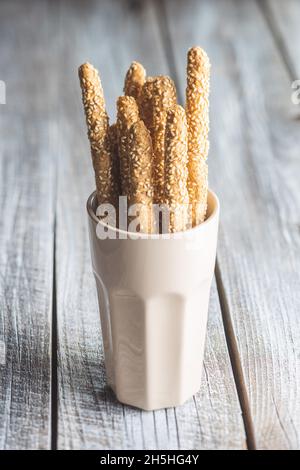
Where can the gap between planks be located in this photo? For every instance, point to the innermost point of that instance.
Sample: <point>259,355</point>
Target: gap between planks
<point>54,345</point>
<point>235,361</point>
<point>231,340</point>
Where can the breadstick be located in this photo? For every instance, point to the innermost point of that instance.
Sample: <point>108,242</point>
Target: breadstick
<point>164,97</point>
<point>98,133</point>
<point>114,147</point>
<point>197,111</point>
<point>140,152</point>
<point>146,103</point>
<point>94,106</point>
<point>198,187</point>
<point>127,114</point>
<point>106,165</point>
<point>176,194</point>
<point>134,80</point>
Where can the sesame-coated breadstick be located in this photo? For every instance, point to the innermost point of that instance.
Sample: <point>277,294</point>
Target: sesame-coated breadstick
<point>146,103</point>
<point>199,191</point>
<point>134,80</point>
<point>197,102</point>
<point>164,97</point>
<point>197,112</point>
<point>98,133</point>
<point>140,152</point>
<point>176,194</point>
<point>114,147</point>
<point>94,106</point>
<point>127,114</point>
<point>106,170</point>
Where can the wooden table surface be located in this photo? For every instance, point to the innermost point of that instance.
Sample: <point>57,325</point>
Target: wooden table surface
<point>53,391</point>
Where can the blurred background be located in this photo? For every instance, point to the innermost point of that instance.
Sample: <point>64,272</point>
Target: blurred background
<point>251,44</point>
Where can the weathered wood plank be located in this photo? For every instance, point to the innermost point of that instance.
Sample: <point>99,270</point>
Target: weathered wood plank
<point>111,34</point>
<point>26,225</point>
<point>284,22</point>
<point>255,169</point>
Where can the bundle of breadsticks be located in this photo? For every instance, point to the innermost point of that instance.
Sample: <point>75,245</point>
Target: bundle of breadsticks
<point>155,154</point>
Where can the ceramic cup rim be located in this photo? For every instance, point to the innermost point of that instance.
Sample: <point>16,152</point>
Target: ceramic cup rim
<point>154,236</point>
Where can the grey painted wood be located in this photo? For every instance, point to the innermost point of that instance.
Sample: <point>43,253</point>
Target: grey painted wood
<point>254,142</point>
<point>255,169</point>
<point>284,21</point>
<point>27,130</point>
<point>111,34</point>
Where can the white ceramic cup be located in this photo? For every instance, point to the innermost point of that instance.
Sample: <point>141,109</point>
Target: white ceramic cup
<point>153,297</point>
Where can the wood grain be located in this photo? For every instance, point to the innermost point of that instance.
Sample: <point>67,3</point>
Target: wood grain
<point>255,169</point>
<point>27,190</point>
<point>254,49</point>
<point>111,35</point>
<point>283,18</point>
